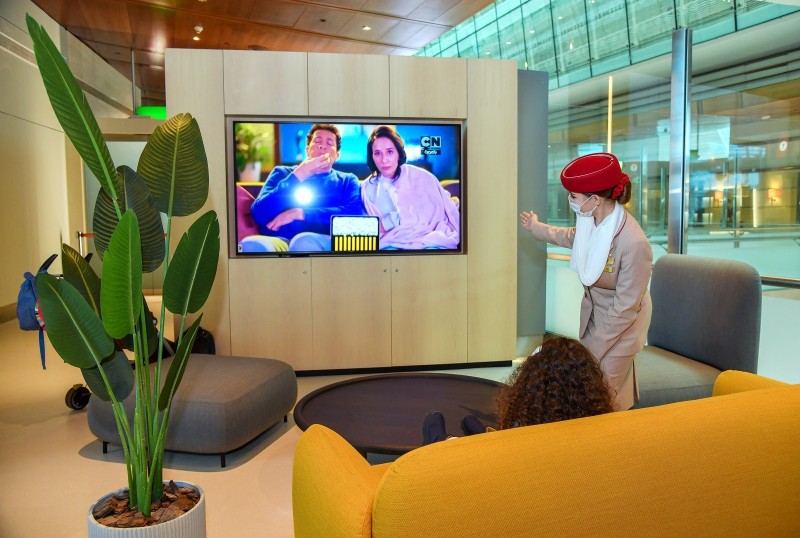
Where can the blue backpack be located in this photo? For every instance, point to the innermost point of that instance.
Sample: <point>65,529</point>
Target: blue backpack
<point>28,305</point>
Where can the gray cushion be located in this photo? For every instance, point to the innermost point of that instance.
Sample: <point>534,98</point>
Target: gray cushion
<point>707,309</point>
<point>221,404</point>
<point>665,377</point>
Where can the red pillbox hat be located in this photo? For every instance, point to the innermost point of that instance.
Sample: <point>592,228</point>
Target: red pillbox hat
<point>595,172</point>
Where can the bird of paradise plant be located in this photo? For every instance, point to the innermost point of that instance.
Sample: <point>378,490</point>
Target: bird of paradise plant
<point>89,320</point>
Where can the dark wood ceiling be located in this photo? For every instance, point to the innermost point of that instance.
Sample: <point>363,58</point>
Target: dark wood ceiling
<point>114,28</point>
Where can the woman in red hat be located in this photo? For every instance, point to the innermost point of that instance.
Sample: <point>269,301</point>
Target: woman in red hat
<point>613,259</point>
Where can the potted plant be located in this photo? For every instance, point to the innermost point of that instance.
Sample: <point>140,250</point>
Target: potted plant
<point>89,320</point>
<point>251,149</point>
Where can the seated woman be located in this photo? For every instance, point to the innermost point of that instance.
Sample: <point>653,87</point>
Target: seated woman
<point>561,380</point>
<point>415,211</point>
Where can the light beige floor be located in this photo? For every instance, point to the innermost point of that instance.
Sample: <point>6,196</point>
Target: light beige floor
<point>52,468</point>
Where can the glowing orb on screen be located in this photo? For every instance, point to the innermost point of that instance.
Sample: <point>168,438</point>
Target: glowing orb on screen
<point>303,195</point>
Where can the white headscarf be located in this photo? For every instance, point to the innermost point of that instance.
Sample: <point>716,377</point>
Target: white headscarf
<point>592,244</point>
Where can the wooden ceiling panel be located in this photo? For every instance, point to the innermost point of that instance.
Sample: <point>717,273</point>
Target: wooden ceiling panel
<point>277,12</point>
<point>462,11</point>
<point>353,5</point>
<point>378,27</point>
<point>323,20</point>
<point>153,28</point>
<point>108,20</point>
<point>432,10</point>
<point>402,32</point>
<point>113,27</point>
<point>391,7</point>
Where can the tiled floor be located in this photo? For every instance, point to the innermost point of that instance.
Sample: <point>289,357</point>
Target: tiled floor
<point>52,468</point>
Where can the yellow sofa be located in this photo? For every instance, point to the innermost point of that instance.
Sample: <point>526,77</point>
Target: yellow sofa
<point>727,466</point>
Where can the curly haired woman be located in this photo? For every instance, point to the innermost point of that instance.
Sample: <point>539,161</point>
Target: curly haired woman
<point>560,381</point>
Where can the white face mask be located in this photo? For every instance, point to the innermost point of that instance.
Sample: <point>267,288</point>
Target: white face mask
<point>577,208</point>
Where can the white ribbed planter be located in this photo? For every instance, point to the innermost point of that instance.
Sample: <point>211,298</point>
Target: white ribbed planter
<point>192,524</point>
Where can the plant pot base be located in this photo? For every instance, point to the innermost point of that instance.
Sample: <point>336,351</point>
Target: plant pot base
<point>179,513</point>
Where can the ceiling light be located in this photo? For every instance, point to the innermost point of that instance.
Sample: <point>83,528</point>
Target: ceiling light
<point>488,53</point>
<point>508,42</point>
<point>196,38</point>
<point>766,117</point>
<point>366,28</point>
<point>198,28</point>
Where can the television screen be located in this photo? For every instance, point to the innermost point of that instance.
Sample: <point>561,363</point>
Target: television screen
<point>335,187</point>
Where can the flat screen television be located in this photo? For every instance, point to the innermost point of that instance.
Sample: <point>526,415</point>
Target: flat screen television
<point>336,187</point>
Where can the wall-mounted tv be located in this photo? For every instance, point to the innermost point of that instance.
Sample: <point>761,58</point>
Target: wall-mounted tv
<point>324,186</point>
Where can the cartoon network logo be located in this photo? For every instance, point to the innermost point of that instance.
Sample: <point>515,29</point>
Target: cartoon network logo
<point>431,145</point>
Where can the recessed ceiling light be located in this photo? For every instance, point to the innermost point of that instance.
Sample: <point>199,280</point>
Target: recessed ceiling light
<point>366,28</point>
<point>196,38</point>
<point>488,53</point>
<point>508,42</point>
<point>531,31</point>
<point>766,117</point>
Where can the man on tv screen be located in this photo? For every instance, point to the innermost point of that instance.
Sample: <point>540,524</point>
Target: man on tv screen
<point>295,206</point>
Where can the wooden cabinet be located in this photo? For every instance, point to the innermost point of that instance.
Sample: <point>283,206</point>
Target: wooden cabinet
<point>429,310</point>
<point>351,312</point>
<point>270,310</point>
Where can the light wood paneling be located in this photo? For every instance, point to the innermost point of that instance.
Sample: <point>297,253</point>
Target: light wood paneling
<point>492,199</point>
<point>258,82</point>
<point>429,310</point>
<point>271,310</point>
<point>348,85</point>
<point>194,85</point>
<point>352,312</point>
<point>428,87</point>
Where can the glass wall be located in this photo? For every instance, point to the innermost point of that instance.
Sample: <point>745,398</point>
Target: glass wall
<point>574,40</point>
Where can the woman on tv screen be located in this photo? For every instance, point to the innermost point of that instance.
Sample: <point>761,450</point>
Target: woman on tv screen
<point>414,210</point>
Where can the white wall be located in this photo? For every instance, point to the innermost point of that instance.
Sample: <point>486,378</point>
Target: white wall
<point>40,179</point>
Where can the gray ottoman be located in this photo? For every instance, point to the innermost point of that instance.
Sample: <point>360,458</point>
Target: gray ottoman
<point>222,404</point>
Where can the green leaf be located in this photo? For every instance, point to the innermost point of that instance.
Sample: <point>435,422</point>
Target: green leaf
<point>137,198</point>
<point>178,366</point>
<point>71,108</point>
<point>150,327</point>
<point>121,292</point>
<point>80,274</point>
<point>191,273</point>
<point>175,167</point>
<point>104,222</point>
<point>119,373</point>
<point>151,230</point>
<point>74,329</point>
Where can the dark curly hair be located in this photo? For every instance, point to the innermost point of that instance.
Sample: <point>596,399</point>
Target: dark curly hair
<point>560,382</point>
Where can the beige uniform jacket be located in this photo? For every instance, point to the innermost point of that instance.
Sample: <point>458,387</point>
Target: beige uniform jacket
<point>615,311</point>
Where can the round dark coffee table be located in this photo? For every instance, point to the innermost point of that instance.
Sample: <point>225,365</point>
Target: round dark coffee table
<point>383,414</point>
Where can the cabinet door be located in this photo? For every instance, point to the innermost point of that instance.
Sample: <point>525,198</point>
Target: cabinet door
<point>352,312</point>
<point>429,310</point>
<point>271,310</point>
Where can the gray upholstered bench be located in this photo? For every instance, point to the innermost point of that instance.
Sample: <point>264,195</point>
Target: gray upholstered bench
<point>222,404</point>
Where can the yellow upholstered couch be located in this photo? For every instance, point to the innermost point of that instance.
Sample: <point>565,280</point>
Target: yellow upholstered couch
<point>727,466</point>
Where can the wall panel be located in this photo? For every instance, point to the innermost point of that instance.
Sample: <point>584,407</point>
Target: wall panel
<point>194,85</point>
<point>492,182</point>
<point>348,85</point>
<point>421,88</point>
<point>264,83</point>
